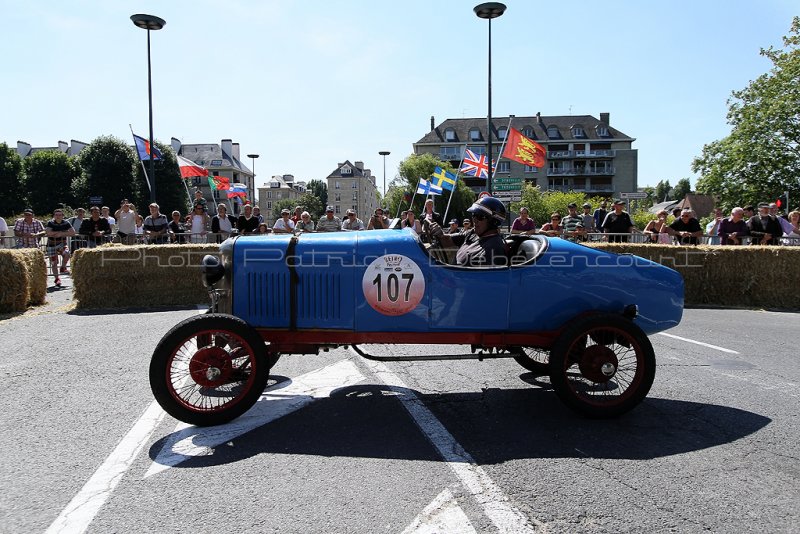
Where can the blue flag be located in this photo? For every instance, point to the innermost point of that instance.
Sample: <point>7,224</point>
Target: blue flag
<point>144,149</point>
<point>443,179</point>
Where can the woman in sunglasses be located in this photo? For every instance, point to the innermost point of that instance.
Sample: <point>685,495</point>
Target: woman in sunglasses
<point>482,245</point>
<point>553,228</point>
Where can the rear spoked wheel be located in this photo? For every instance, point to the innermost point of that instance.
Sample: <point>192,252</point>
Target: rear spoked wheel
<point>209,369</point>
<point>602,365</point>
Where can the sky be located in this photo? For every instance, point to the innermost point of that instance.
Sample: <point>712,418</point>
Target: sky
<point>309,84</point>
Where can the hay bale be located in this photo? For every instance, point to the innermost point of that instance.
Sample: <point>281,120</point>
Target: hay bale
<point>24,276</point>
<point>729,276</point>
<point>37,275</point>
<point>14,289</point>
<point>142,275</point>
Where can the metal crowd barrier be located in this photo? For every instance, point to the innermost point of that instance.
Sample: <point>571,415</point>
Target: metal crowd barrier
<point>80,241</point>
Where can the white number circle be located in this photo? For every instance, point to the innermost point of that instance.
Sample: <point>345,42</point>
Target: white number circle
<point>393,284</point>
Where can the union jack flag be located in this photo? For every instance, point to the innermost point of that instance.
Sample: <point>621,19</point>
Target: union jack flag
<point>475,165</point>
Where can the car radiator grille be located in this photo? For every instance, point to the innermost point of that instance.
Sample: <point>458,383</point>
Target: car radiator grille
<point>319,297</point>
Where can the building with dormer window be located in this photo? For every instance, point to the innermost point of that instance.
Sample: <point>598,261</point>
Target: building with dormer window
<point>278,188</point>
<point>351,186</point>
<point>584,153</point>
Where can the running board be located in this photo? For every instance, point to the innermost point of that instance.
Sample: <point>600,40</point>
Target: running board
<point>408,358</point>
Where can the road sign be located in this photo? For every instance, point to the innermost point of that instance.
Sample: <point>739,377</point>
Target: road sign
<point>507,187</point>
<point>508,196</point>
<point>508,180</point>
<point>637,194</point>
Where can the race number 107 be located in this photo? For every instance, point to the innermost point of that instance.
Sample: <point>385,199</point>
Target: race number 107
<point>390,286</point>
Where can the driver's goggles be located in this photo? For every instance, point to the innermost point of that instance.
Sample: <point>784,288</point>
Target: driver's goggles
<point>480,216</point>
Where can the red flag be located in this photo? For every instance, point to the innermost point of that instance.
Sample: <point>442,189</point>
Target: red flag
<point>190,169</point>
<point>219,183</point>
<point>524,150</point>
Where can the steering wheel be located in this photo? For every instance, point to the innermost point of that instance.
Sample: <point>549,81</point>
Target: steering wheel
<point>436,248</point>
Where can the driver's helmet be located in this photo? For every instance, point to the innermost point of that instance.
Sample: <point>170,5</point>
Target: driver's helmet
<point>491,207</point>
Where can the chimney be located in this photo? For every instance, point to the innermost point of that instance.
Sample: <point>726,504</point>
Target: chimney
<point>62,146</point>
<point>23,149</point>
<point>433,123</point>
<point>236,151</point>
<point>605,118</point>
<point>176,145</point>
<point>359,165</point>
<point>227,149</point>
<point>538,118</point>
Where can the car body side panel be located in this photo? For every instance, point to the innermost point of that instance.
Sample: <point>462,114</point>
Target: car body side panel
<point>332,278</point>
<point>570,279</point>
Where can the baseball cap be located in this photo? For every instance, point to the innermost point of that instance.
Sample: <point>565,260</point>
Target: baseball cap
<point>760,205</point>
<point>285,211</point>
<point>572,205</point>
<point>351,212</point>
<point>329,208</point>
<point>587,205</point>
<point>28,210</point>
<point>619,202</point>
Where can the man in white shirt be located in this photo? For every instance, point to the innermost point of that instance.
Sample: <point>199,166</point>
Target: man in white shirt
<point>105,212</point>
<point>284,225</point>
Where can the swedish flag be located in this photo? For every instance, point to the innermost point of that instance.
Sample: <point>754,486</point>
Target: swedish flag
<point>443,179</point>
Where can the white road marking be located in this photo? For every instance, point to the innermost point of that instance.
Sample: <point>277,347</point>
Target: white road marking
<point>723,349</point>
<point>188,441</point>
<point>80,511</point>
<point>494,502</point>
<point>442,515</point>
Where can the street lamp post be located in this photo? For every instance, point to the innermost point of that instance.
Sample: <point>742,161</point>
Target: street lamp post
<point>253,158</point>
<point>489,10</point>
<point>149,22</point>
<point>384,153</point>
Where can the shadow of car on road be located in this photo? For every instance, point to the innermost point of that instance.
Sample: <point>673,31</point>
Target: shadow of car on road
<point>493,426</point>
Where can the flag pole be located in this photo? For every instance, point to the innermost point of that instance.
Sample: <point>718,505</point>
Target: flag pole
<point>411,204</point>
<point>146,178</point>
<point>502,147</point>
<point>455,185</point>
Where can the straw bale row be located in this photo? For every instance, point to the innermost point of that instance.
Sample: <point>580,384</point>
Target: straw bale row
<point>116,276</point>
<point>24,279</point>
<point>732,276</point>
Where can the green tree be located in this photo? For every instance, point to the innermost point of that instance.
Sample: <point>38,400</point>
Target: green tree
<point>108,170</point>
<point>11,181</point>
<point>419,166</point>
<point>662,191</point>
<point>761,156</point>
<point>682,188</point>
<point>541,204</point>
<point>48,180</point>
<point>320,190</point>
<point>308,201</point>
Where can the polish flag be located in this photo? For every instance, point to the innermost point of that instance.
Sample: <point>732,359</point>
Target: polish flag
<point>190,169</point>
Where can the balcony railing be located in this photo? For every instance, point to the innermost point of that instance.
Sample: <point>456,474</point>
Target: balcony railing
<point>580,171</point>
<point>562,154</point>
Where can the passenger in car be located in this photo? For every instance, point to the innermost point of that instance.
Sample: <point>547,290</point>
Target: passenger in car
<point>483,245</point>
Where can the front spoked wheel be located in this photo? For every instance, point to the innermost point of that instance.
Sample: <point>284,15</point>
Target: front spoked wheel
<point>209,369</point>
<point>534,359</point>
<point>602,365</point>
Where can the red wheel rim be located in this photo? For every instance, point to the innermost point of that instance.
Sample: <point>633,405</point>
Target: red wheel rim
<point>211,370</point>
<point>605,366</point>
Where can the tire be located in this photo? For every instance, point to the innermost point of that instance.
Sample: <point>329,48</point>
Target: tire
<point>534,359</point>
<point>209,369</point>
<point>602,365</point>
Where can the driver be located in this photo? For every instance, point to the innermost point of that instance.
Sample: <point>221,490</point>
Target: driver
<point>483,244</point>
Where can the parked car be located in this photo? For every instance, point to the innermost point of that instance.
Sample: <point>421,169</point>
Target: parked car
<point>576,314</point>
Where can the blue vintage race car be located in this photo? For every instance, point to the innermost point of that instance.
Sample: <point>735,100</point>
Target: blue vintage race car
<point>577,314</point>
